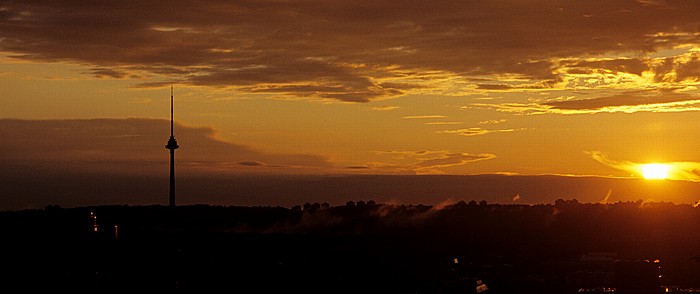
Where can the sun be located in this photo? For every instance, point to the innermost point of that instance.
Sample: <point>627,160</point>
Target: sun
<point>655,171</point>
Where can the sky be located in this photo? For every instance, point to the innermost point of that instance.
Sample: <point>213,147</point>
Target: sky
<point>572,88</point>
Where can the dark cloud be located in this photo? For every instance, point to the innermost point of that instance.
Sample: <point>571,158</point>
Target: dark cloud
<point>108,73</point>
<point>633,66</point>
<point>681,68</point>
<point>493,87</point>
<point>357,167</point>
<point>404,86</point>
<point>350,51</point>
<point>662,100</point>
<point>251,163</point>
<point>129,145</point>
<point>544,84</point>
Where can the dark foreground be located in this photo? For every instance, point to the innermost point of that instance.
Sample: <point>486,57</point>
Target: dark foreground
<point>357,248</point>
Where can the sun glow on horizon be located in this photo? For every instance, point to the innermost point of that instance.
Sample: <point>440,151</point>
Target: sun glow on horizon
<point>655,171</point>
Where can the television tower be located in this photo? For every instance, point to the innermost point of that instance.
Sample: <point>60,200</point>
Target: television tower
<point>172,145</point>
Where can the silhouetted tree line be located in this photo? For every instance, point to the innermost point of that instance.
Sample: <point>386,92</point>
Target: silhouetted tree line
<point>389,248</point>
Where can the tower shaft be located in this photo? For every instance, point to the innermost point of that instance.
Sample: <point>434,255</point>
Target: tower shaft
<point>172,145</point>
<point>172,178</point>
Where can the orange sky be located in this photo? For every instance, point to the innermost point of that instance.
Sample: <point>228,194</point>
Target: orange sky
<point>346,87</point>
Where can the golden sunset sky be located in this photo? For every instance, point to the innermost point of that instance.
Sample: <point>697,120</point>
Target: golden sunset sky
<point>580,88</point>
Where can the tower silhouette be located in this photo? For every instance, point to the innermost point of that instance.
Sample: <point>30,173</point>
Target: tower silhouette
<point>172,145</point>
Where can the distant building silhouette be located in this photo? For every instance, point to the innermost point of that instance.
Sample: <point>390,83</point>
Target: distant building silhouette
<point>172,145</point>
<point>638,276</point>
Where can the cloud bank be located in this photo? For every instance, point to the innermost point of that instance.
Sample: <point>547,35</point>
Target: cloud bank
<point>364,51</point>
<point>134,146</point>
<point>629,102</point>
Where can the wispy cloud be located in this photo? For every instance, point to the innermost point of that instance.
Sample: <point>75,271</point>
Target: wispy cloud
<point>447,159</point>
<point>423,116</point>
<point>428,162</point>
<point>629,101</point>
<point>475,131</point>
<point>624,103</point>
<point>385,108</point>
<point>444,123</point>
<point>492,122</point>
<point>606,200</point>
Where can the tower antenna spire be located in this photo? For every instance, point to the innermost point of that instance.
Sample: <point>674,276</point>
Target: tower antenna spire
<point>171,111</point>
<point>172,145</point>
